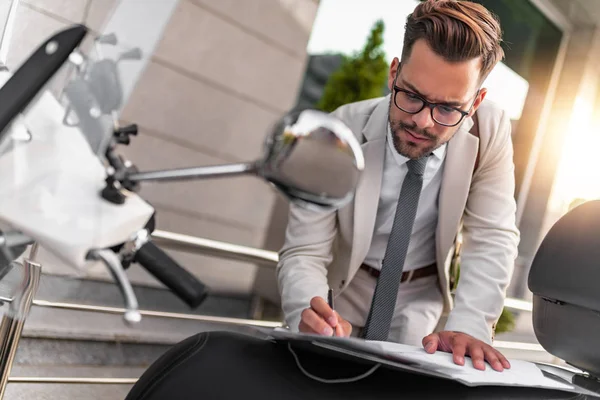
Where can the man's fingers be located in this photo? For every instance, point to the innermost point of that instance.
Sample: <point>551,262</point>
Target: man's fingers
<point>343,328</point>
<point>505,363</point>
<point>496,359</point>
<point>477,355</point>
<point>321,319</point>
<point>339,331</point>
<point>462,345</point>
<point>347,328</point>
<point>305,328</point>
<point>430,343</point>
<point>315,323</point>
<point>320,306</point>
<point>459,349</point>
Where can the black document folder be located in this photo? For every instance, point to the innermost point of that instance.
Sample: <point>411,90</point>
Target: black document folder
<point>417,361</point>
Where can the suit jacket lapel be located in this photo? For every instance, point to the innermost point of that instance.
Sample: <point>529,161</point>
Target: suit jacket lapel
<point>458,170</point>
<point>454,190</point>
<point>367,192</point>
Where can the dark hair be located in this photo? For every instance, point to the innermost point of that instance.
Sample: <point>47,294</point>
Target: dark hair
<point>457,31</point>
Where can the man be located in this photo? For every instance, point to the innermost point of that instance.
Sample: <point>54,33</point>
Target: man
<point>422,136</point>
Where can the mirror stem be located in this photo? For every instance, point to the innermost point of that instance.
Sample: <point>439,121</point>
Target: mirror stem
<point>180,174</point>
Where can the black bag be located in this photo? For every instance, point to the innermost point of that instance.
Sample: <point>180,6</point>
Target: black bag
<point>229,365</point>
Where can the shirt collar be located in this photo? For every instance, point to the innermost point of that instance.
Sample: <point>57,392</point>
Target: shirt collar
<point>400,159</point>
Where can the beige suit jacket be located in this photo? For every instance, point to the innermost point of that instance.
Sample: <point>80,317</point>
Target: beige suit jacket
<point>325,249</point>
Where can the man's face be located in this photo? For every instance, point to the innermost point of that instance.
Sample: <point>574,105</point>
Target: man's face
<point>427,75</point>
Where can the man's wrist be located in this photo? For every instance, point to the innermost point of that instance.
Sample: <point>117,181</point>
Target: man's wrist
<point>469,325</point>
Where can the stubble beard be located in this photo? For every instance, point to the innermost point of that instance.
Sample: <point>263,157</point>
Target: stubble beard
<point>411,149</point>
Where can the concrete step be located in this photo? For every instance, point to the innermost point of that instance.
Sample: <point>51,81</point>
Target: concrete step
<point>46,391</point>
<point>80,344</point>
<point>41,390</point>
<point>44,322</point>
<point>43,358</point>
<point>66,353</point>
<point>60,343</point>
<point>76,371</point>
<point>106,293</point>
<point>38,359</point>
<point>82,325</point>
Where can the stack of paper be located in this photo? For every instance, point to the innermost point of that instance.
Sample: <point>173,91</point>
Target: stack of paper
<point>441,364</point>
<point>521,373</point>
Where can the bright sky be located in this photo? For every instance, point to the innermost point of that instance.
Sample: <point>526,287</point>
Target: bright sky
<point>343,26</point>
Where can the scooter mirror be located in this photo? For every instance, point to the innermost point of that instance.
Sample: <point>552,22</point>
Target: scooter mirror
<point>313,158</point>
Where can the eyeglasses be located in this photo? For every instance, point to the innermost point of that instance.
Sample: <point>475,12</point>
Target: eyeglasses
<point>413,103</point>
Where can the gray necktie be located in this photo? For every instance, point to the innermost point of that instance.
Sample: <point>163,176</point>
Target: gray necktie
<point>386,291</point>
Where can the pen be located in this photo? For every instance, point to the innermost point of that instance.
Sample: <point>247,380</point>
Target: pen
<point>331,305</point>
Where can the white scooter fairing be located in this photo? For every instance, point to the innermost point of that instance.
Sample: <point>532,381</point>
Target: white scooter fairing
<point>51,183</point>
<point>64,187</point>
<point>63,184</point>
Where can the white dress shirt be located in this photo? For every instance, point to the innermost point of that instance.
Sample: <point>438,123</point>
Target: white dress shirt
<point>421,249</point>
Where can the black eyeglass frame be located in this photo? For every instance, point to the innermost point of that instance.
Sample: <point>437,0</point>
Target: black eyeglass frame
<point>429,104</point>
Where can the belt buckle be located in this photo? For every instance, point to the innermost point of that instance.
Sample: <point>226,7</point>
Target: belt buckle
<point>410,275</point>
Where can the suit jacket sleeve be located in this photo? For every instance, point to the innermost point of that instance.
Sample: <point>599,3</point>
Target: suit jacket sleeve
<point>490,239</point>
<point>305,256</point>
<point>303,260</point>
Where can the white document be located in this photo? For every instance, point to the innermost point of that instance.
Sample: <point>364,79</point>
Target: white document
<point>521,373</point>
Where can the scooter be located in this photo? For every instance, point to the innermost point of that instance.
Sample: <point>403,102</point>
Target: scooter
<point>64,187</point>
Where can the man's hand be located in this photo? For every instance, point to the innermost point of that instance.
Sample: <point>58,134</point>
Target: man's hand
<point>322,320</point>
<point>461,344</point>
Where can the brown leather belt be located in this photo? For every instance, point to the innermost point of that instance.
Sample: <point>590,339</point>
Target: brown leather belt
<point>407,276</point>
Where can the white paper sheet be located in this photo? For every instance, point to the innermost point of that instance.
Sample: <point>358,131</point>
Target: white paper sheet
<point>521,373</point>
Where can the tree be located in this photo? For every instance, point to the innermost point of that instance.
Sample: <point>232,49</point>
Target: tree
<point>360,76</point>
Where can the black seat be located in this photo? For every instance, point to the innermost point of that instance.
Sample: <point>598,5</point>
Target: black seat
<point>565,281</point>
<point>229,365</point>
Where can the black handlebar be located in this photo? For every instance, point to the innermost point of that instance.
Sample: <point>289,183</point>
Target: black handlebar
<point>169,272</point>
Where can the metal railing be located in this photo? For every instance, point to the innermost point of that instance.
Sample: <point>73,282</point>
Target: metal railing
<point>191,244</point>
<point>157,314</point>
<point>266,258</point>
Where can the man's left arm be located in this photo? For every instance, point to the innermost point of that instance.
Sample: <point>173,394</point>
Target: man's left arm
<point>489,249</point>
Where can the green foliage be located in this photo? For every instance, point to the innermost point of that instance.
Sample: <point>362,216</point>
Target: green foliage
<point>360,76</point>
<point>506,323</point>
